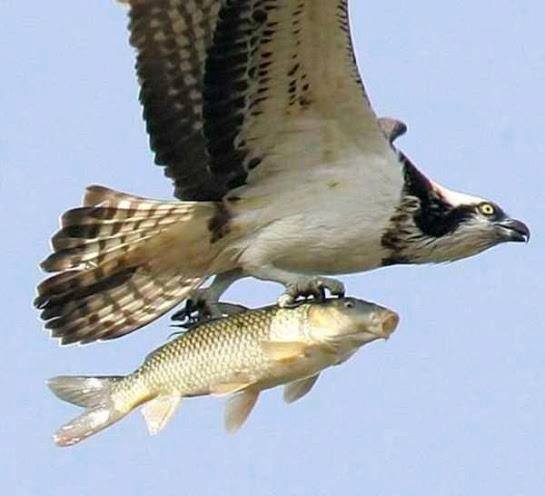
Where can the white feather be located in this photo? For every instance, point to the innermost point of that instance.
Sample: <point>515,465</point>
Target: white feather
<point>323,211</point>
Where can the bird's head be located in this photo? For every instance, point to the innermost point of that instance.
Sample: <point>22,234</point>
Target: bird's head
<point>435,224</point>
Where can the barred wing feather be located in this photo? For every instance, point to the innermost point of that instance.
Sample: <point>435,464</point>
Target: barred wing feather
<point>236,89</point>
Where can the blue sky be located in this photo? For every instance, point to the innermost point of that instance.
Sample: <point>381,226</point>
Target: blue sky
<point>453,404</point>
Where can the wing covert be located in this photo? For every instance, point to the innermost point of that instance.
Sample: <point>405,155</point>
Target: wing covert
<point>229,85</point>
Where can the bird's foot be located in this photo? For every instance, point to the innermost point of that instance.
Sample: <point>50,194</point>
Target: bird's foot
<point>310,287</point>
<point>200,307</point>
<point>194,311</point>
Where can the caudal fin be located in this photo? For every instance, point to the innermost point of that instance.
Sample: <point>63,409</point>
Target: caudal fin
<point>92,393</point>
<point>121,262</point>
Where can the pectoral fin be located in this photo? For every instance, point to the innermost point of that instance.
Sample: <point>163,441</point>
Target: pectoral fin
<point>285,351</point>
<point>296,390</point>
<point>159,411</point>
<point>238,408</point>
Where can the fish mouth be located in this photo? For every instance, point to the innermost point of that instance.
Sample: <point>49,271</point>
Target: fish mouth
<point>387,323</point>
<point>384,323</point>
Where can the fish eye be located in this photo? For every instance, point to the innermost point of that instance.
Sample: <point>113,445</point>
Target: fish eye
<point>487,209</point>
<point>348,304</point>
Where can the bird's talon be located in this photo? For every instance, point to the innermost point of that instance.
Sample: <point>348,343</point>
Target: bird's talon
<point>194,311</point>
<point>285,301</point>
<point>321,292</point>
<point>310,288</point>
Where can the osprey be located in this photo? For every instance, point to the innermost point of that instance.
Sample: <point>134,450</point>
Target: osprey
<point>282,172</point>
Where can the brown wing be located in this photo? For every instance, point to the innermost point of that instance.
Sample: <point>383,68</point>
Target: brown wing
<point>227,84</point>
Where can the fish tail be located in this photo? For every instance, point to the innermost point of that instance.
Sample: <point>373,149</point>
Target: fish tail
<point>95,395</point>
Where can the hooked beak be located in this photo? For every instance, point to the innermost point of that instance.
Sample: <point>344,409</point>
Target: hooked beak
<point>514,230</point>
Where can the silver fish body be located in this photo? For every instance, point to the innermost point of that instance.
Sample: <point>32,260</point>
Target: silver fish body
<point>240,355</point>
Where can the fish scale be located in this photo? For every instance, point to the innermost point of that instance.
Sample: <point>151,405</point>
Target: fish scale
<point>210,353</point>
<point>240,355</point>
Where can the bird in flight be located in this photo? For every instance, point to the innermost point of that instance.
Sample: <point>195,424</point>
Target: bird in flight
<point>281,170</point>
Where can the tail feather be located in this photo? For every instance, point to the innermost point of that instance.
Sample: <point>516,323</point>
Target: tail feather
<point>109,255</point>
<point>92,393</point>
<point>100,233</point>
<point>107,215</point>
<point>96,194</point>
<point>90,299</point>
<point>94,252</point>
<point>116,305</point>
<point>111,314</point>
<point>74,285</point>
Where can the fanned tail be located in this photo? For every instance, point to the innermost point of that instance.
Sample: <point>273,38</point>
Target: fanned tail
<point>121,262</point>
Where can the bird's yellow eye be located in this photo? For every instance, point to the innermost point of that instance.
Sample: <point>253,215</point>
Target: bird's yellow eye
<point>487,209</point>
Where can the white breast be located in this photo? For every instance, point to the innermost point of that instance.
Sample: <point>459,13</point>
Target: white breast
<point>327,220</point>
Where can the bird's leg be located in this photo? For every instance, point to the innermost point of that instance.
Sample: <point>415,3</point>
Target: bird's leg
<point>202,304</point>
<point>299,285</point>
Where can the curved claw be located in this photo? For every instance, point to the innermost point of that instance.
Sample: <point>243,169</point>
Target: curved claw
<point>311,287</point>
<point>192,313</point>
<point>339,294</point>
<point>287,301</point>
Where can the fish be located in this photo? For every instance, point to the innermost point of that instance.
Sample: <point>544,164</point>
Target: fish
<point>236,356</point>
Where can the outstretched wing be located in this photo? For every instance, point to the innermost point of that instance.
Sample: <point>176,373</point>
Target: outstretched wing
<point>229,86</point>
